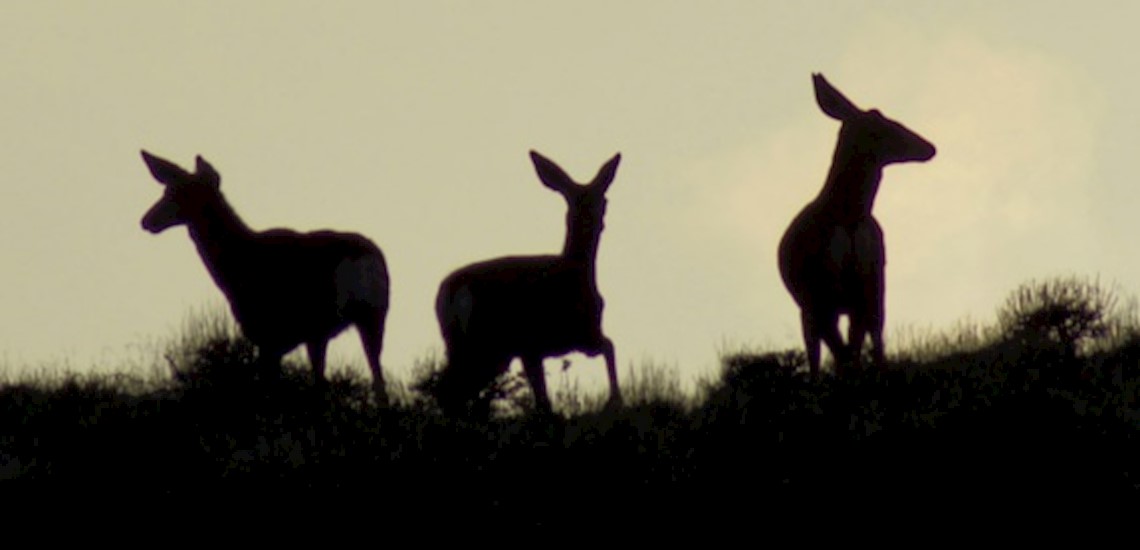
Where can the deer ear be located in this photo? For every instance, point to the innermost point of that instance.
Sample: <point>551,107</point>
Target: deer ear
<point>606,174</point>
<point>550,174</point>
<point>164,171</point>
<point>832,101</point>
<point>206,173</point>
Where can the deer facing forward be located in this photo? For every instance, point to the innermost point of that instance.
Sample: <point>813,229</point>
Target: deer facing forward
<point>530,307</point>
<point>285,288</point>
<point>832,257</point>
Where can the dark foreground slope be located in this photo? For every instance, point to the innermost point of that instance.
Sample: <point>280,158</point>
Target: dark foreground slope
<point>1013,422</point>
<point>976,428</point>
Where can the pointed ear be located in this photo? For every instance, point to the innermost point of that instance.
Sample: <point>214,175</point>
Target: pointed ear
<point>832,101</point>
<point>206,173</point>
<point>550,174</point>
<point>606,174</point>
<point>164,171</point>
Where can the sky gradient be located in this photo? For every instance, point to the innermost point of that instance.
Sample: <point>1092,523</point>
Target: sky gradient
<point>410,123</point>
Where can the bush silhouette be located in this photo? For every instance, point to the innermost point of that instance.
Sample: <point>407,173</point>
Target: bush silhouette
<point>1068,313</point>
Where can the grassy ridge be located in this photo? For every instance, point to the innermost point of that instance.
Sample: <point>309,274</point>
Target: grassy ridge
<point>1021,414</point>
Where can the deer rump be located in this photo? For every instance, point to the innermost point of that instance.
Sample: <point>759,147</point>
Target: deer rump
<point>295,287</point>
<point>494,311</point>
<point>833,265</point>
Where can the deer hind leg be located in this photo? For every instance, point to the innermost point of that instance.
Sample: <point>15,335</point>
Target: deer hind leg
<point>875,313</point>
<point>535,373</point>
<point>317,348</point>
<point>372,338</point>
<point>825,327</point>
<point>268,364</point>
<point>856,336</point>
<point>811,341</point>
<point>458,384</point>
<point>877,351</point>
<point>611,370</point>
<point>465,378</point>
<point>449,391</point>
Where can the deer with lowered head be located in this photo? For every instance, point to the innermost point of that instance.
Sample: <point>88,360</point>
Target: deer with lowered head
<point>529,307</point>
<point>832,257</point>
<point>285,288</point>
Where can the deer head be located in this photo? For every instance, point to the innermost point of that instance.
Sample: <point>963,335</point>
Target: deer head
<point>880,139</point>
<point>186,193</point>
<point>586,204</point>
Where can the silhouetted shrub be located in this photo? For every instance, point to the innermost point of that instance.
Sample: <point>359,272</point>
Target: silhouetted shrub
<point>1067,314</point>
<point>208,345</point>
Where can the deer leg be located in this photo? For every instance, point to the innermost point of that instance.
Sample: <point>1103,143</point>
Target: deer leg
<point>877,351</point>
<point>877,317</point>
<point>611,370</point>
<point>372,337</point>
<point>448,390</point>
<point>856,335</point>
<point>825,327</point>
<point>811,341</point>
<point>317,358</point>
<point>533,368</point>
<point>829,331</point>
<point>268,364</point>
<point>463,381</point>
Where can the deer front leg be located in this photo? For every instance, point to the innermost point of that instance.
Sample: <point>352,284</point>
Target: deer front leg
<point>533,368</point>
<point>611,370</point>
<point>371,336</point>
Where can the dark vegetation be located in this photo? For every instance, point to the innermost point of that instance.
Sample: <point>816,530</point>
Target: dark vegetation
<point>1039,409</point>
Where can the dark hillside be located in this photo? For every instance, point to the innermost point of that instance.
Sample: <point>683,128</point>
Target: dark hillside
<point>1020,417</point>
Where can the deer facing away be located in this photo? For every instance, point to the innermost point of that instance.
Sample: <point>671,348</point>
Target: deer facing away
<point>285,288</point>
<point>530,307</point>
<point>832,256</point>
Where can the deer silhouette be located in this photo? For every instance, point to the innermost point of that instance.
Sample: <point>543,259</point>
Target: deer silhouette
<point>285,288</point>
<point>530,307</point>
<point>832,257</point>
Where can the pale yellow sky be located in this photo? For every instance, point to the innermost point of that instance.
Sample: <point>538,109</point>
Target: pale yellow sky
<point>410,122</point>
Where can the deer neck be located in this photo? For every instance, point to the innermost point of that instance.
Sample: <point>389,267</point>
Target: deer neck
<point>581,249</point>
<point>222,239</point>
<point>852,183</point>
